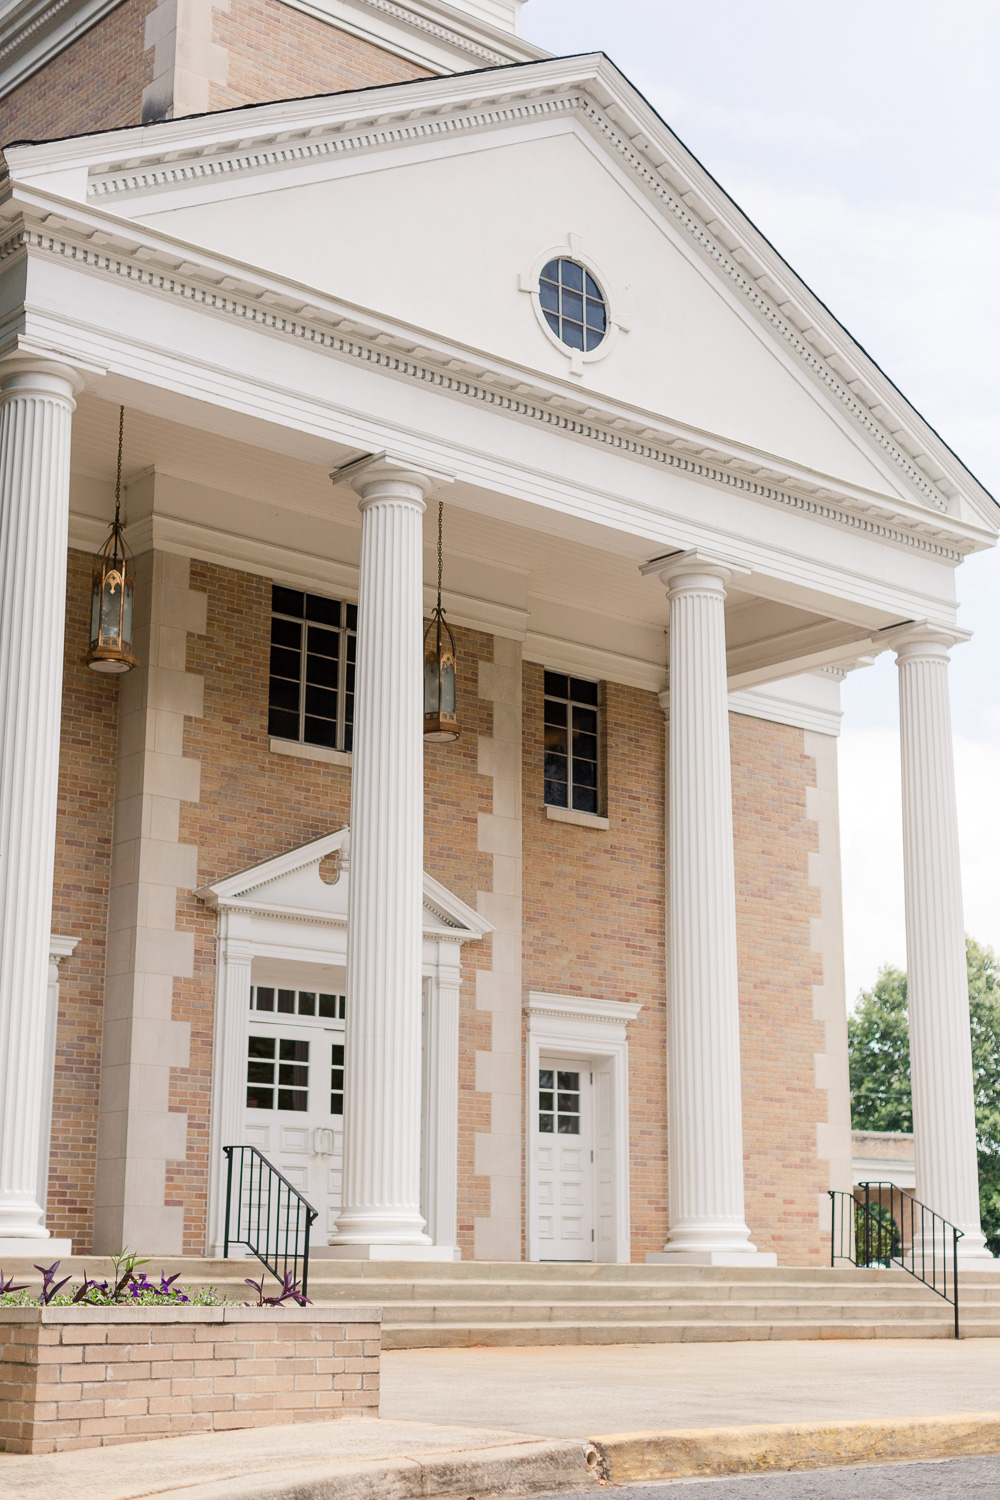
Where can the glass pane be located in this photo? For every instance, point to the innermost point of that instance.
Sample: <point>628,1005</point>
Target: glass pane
<point>282,724</point>
<point>351,620</point>
<point>572,306</point>
<point>556,712</point>
<point>553,321</point>
<point>572,274</point>
<point>293,1050</point>
<point>583,691</point>
<point>584,798</point>
<point>321,702</point>
<point>545,1099</point>
<point>259,1098</point>
<point>546,1124</point>
<point>326,611</point>
<point>307,1003</point>
<point>260,1072</point>
<point>551,271</point>
<point>337,1055</point>
<point>286,633</point>
<point>572,334</point>
<point>584,772</point>
<point>548,296</point>
<point>545,1078</point>
<point>596,316</point>
<point>292,1099</point>
<point>321,732</point>
<point>287,601</point>
<point>322,670</point>
<point>336,1104</point>
<point>593,338</point>
<point>285,663</point>
<point>323,642</point>
<point>328,1007</point>
<point>556,793</point>
<point>569,1124</point>
<point>591,287</point>
<point>568,1103</point>
<point>265,998</point>
<point>348,724</point>
<point>293,1074</point>
<point>349,677</point>
<point>585,720</point>
<point>261,1046</point>
<point>566,1080</point>
<point>286,1004</point>
<point>284,695</point>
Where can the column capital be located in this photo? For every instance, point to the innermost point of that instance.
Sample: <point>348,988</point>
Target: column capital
<point>680,570</point>
<point>40,374</point>
<point>922,638</point>
<point>379,476</point>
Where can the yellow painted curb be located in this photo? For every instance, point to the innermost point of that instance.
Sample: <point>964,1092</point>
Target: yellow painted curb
<point>696,1451</point>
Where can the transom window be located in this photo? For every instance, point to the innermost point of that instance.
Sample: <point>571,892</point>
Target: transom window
<point>313,654</point>
<point>278,1073</point>
<point>573,304</point>
<point>558,1102</point>
<point>572,737</point>
<point>269,998</point>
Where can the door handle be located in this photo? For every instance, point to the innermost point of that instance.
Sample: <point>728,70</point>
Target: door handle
<point>322,1141</point>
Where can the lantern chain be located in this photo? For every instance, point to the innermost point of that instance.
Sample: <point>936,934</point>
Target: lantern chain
<point>440,554</point>
<point>118,480</point>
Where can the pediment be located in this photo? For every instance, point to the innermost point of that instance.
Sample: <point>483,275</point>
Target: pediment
<point>312,883</point>
<point>427,204</point>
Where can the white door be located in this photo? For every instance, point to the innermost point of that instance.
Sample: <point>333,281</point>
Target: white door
<point>564,1160</point>
<point>295,1092</point>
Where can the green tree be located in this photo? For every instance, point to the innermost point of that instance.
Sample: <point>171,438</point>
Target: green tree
<point>879,1047</point>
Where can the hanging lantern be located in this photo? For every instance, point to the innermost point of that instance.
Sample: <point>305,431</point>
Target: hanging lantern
<point>112,592</point>
<point>440,715</point>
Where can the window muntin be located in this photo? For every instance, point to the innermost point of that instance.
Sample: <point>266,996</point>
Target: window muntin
<point>269,999</point>
<point>573,304</point>
<point>558,1102</point>
<point>313,655</point>
<point>572,743</point>
<point>278,1073</point>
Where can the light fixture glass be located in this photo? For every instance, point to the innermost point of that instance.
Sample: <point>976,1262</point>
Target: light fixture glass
<point>113,592</point>
<point>440,697</point>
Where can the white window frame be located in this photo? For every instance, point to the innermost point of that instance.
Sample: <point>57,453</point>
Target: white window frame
<point>573,1026</point>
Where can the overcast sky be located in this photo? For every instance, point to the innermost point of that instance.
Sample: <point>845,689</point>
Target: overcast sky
<point>863,138</point>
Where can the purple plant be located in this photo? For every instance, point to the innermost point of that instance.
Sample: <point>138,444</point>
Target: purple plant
<point>290,1292</point>
<point>7,1285</point>
<point>49,1284</point>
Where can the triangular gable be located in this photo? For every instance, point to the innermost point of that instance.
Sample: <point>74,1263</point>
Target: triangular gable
<point>291,885</point>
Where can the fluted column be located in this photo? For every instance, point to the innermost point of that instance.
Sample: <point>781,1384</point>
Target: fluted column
<point>439,1160</point>
<point>380,1217</point>
<point>36,406</point>
<point>704,1105</point>
<point>944,1122</point>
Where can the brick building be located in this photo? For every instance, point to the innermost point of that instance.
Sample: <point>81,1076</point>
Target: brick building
<point>570,985</point>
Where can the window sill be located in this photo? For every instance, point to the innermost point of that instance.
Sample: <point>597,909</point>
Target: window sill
<point>580,819</point>
<point>298,751</point>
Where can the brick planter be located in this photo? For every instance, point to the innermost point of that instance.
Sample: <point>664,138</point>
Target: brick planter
<point>81,1377</point>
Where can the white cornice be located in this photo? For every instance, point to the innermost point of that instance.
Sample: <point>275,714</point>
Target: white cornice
<point>32,32</point>
<point>581,1008</point>
<point>429,33</point>
<point>103,244</point>
<point>592,90</point>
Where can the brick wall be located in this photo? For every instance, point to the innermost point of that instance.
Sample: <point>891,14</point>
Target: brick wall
<point>79,909</point>
<point>73,1377</point>
<point>95,84</point>
<point>279,53</point>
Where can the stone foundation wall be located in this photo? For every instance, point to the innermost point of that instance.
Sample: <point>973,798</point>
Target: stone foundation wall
<point>74,1377</point>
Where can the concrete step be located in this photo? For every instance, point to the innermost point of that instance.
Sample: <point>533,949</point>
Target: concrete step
<point>522,1335</point>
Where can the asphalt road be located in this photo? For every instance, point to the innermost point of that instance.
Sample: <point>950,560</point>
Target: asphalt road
<point>948,1479</point>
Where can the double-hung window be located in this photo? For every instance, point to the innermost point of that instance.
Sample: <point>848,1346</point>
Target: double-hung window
<point>572,741</point>
<point>313,653</point>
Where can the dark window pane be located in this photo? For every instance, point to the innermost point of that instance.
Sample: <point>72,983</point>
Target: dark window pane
<point>293,1051</point>
<point>565,1081</point>
<point>260,1072</point>
<point>584,772</point>
<point>556,711</point>
<point>555,768</point>
<point>583,691</point>
<point>545,1124</point>
<point>595,316</point>
<point>336,1104</point>
<point>321,732</point>
<point>323,642</point>
<point>548,296</point>
<point>262,1046</point>
<point>572,334</point>
<point>294,1075</point>
<point>328,1007</point>
<point>545,1099</point>
<point>325,611</point>
<point>569,1124</point>
<point>545,1078</point>
<point>287,601</point>
<point>349,676</point>
<point>555,747</point>
<point>292,1099</point>
<point>585,720</point>
<point>286,633</point>
<point>259,1098</point>
<point>307,1003</point>
<point>265,998</point>
<point>285,663</point>
<point>286,1004</point>
<point>337,1055</point>
<point>572,306</point>
<point>553,321</point>
<point>584,798</point>
<point>349,725</point>
<point>572,274</point>
<point>283,725</point>
<point>321,670</point>
<point>593,338</point>
<point>556,793</point>
<point>284,695</point>
<point>591,287</point>
<point>568,1103</point>
<point>551,271</point>
<point>321,702</point>
<point>351,613</point>
<point>336,1078</point>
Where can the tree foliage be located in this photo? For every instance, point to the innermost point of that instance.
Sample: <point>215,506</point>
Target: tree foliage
<point>879,1046</point>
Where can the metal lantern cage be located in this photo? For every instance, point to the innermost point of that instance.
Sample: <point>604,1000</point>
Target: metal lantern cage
<point>440,697</point>
<point>113,592</point>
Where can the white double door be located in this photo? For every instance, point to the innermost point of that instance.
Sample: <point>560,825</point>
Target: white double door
<point>572,1163</point>
<point>295,1093</point>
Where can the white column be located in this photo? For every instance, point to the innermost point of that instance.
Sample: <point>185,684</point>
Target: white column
<point>59,948</point>
<point>944,1122</point>
<point>439,1157</point>
<point>704,1104</point>
<point>36,407</point>
<point>234,975</point>
<point>380,1218</point>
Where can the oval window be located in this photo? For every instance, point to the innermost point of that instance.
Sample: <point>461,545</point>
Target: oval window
<point>573,304</point>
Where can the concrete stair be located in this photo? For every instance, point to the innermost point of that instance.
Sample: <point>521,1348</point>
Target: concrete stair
<point>468,1303</point>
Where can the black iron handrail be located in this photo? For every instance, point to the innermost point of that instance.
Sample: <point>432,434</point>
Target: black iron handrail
<point>268,1214</point>
<point>887,1226</point>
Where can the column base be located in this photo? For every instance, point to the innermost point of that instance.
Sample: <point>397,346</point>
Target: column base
<point>39,1249</point>
<point>762,1258</point>
<point>384,1252</point>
